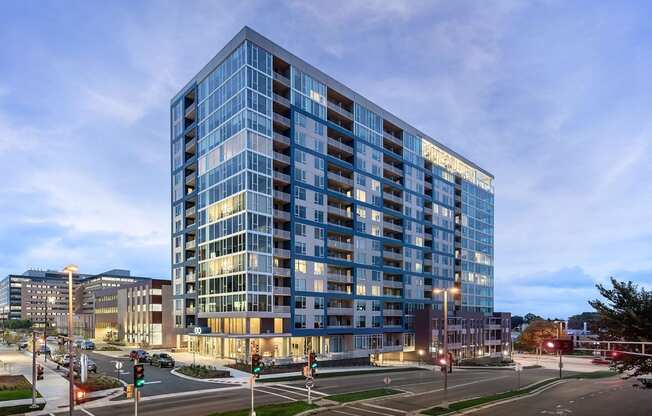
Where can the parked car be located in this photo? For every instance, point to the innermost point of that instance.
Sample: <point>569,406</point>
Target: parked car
<point>65,361</point>
<point>88,345</point>
<point>600,361</point>
<point>44,349</point>
<point>52,338</point>
<point>91,367</point>
<point>645,379</point>
<point>22,345</point>
<point>162,360</point>
<point>78,343</point>
<point>58,358</point>
<point>140,355</point>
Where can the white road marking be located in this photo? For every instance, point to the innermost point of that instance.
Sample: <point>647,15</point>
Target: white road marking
<point>276,394</point>
<point>283,390</point>
<point>153,382</point>
<point>86,411</point>
<point>313,391</point>
<point>460,385</point>
<point>384,407</point>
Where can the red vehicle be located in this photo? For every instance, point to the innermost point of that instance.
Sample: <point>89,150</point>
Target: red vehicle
<point>600,361</point>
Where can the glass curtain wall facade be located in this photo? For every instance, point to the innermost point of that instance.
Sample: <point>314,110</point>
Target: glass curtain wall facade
<point>305,218</point>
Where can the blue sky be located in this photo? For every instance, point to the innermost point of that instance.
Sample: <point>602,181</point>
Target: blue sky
<point>553,97</point>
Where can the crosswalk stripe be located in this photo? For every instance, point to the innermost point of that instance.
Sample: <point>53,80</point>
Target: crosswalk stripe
<point>276,394</point>
<point>313,391</point>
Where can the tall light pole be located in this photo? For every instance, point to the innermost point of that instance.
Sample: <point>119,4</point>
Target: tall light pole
<point>48,301</point>
<point>71,268</point>
<point>445,360</point>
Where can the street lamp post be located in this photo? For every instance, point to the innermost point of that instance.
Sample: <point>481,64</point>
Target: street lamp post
<point>446,360</point>
<point>71,268</point>
<point>48,301</point>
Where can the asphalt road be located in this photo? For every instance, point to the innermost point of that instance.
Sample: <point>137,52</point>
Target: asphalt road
<point>157,380</point>
<point>422,389</point>
<point>604,397</point>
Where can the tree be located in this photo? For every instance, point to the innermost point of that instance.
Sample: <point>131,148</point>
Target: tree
<point>592,320</point>
<point>626,315</point>
<point>517,321</point>
<point>530,317</point>
<point>18,324</point>
<point>535,334</point>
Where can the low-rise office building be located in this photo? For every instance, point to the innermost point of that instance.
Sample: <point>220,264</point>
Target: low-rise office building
<point>470,334</point>
<point>136,314</point>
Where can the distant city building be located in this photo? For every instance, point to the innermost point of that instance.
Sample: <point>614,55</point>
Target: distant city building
<point>307,218</point>
<point>31,294</point>
<point>470,334</point>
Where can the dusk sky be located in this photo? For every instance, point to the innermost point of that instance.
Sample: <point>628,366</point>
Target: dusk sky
<point>553,97</point>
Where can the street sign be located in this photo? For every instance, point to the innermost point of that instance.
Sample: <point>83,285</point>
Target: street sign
<point>387,380</point>
<point>310,383</point>
<point>118,365</point>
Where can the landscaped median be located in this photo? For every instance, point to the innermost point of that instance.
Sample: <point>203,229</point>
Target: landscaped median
<point>282,409</point>
<point>15,388</point>
<point>479,401</point>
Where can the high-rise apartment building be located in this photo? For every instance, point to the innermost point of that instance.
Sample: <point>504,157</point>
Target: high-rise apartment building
<point>307,218</point>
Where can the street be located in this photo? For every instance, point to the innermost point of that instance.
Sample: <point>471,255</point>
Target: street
<point>422,389</point>
<point>604,397</point>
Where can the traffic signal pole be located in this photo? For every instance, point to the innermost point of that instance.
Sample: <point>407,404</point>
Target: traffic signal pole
<point>253,380</point>
<point>135,390</point>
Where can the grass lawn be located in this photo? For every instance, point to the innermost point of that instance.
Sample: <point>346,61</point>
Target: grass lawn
<point>338,374</point>
<point>362,395</point>
<point>14,410</point>
<point>595,374</point>
<point>15,388</point>
<point>284,409</point>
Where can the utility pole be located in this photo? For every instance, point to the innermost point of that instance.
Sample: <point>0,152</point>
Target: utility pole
<point>446,348</point>
<point>71,363</point>
<point>33,405</point>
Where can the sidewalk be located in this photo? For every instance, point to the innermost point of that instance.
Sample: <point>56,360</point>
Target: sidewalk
<point>53,387</point>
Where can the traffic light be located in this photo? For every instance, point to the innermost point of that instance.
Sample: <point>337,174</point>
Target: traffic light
<point>256,365</point>
<point>312,361</point>
<point>139,376</point>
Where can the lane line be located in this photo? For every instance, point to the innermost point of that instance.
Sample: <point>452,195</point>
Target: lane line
<point>279,395</point>
<point>86,411</point>
<point>459,385</point>
<point>153,382</point>
<point>300,389</point>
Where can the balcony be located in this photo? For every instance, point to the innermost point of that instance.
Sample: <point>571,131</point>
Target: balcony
<point>281,252</point>
<point>282,291</point>
<point>340,311</point>
<point>339,109</point>
<point>282,100</point>
<point>391,226</point>
<point>392,255</point>
<point>281,271</point>
<point>281,234</point>
<point>283,121</point>
<point>281,177</point>
<point>336,177</point>
<point>393,284</point>
<point>190,245</point>
<point>340,212</point>
<point>393,312</point>
<point>339,277</point>
<point>190,310</point>
<point>282,215</point>
<point>282,79</point>
<point>280,157</point>
<point>340,245</point>
<point>280,138</point>
<point>340,146</point>
<point>393,169</point>
<point>282,196</point>
<point>281,309</point>
<point>391,197</point>
<point>393,139</point>
<point>190,277</point>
